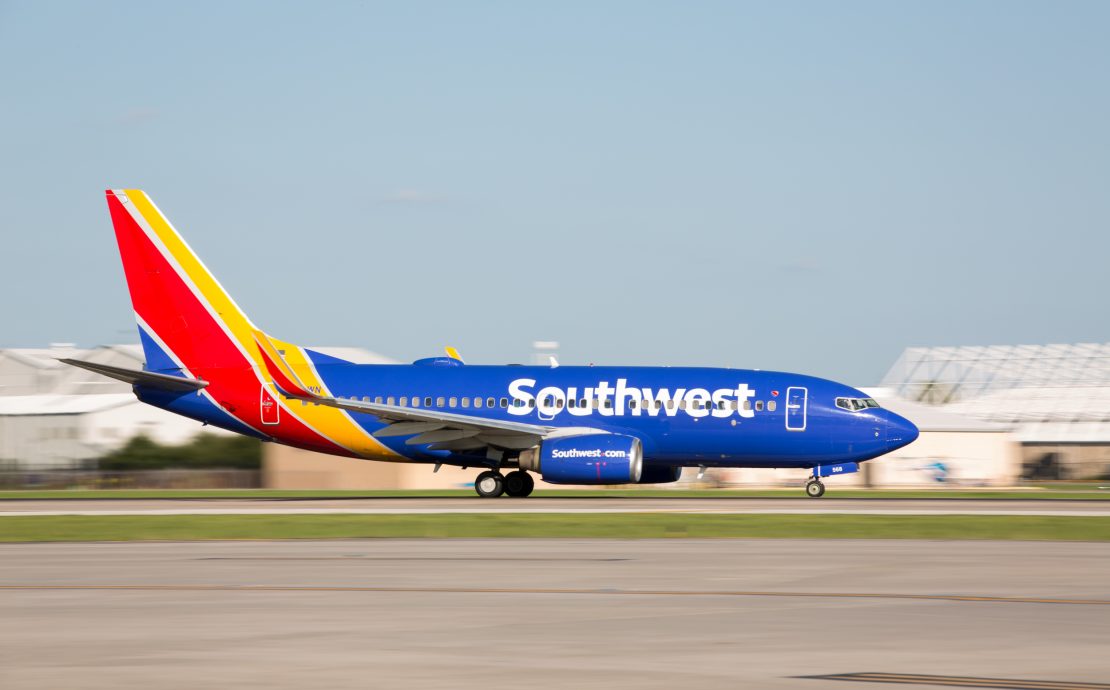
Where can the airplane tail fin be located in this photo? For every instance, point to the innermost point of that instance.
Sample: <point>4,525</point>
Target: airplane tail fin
<point>187,321</point>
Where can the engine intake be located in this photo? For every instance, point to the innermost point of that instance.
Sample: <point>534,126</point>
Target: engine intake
<point>587,459</point>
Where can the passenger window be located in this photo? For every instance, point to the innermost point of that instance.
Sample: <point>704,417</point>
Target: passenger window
<point>747,404</point>
<point>452,402</point>
<point>771,405</point>
<point>427,402</point>
<point>572,402</point>
<point>366,398</point>
<point>658,404</point>
<point>378,400</point>
<point>632,404</point>
<point>532,402</point>
<point>389,400</point>
<point>466,402</point>
<point>608,404</point>
<point>758,405</point>
<point>559,404</point>
<point>477,402</point>
<point>440,401</point>
<point>415,401</point>
<point>490,402</point>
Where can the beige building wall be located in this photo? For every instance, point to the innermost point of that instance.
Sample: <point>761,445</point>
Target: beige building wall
<point>284,467</point>
<point>970,458</point>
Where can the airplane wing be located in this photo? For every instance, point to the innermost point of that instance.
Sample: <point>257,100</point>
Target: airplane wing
<point>443,430</point>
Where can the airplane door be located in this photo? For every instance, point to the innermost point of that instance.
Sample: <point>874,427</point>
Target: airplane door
<point>270,410</point>
<point>796,403</point>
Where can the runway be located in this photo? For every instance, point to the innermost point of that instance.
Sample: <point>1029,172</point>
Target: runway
<point>432,506</point>
<point>561,613</point>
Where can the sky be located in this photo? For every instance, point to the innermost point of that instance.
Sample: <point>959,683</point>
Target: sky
<point>803,186</point>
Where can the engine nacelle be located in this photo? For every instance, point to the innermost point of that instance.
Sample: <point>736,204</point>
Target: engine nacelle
<point>587,459</point>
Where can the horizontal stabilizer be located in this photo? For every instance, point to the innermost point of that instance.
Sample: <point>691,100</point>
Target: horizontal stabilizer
<point>137,377</point>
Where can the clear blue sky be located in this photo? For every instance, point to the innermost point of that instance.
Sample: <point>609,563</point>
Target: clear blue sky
<point>800,186</point>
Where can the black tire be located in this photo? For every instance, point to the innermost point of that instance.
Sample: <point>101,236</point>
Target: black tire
<point>489,484</point>
<point>815,489</point>
<point>519,484</point>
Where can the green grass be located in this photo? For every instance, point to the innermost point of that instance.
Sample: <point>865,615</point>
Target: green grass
<point>1071,491</point>
<point>615,526</point>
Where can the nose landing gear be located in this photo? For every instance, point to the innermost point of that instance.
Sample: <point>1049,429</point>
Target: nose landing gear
<point>814,487</point>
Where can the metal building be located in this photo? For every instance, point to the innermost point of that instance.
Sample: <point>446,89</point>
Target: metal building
<point>1056,398</point>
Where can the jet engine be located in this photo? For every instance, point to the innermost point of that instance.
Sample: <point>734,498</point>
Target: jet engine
<point>586,459</point>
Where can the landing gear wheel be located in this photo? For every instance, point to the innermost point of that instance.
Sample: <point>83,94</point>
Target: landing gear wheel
<point>519,484</point>
<point>815,489</point>
<point>489,484</point>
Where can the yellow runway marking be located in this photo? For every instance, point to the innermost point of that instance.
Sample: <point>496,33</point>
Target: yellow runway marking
<point>963,681</point>
<point>557,590</point>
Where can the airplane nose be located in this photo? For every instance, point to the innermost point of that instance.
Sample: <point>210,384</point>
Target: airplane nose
<point>900,431</point>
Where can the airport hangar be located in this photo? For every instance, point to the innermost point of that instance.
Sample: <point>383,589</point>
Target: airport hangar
<point>988,415</point>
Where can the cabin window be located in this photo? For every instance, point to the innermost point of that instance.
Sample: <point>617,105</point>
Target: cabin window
<point>758,405</point>
<point>452,402</point>
<point>771,405</point>
<point>477,402</point>
<point>559,404</point>
<point>466,402</point>
<point>366,398</point>
<point>572,403</point>
<point>490,402</point>
<point>516,402</point>
<point>390,400</point>
<point>427,402</point>
<point>608,404</point>
<point>378,400</point>
<point>532,402</point>
<point>404,401</point>
<point>632,404</point>
<point>747,404</point>
<point>658,404</point>
<point>440,401</point>
<point>504,402</point>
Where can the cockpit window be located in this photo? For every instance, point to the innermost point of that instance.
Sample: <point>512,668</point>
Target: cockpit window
<point>856,404</point>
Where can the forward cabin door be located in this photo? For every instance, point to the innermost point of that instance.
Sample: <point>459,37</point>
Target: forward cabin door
<point>796,402</point>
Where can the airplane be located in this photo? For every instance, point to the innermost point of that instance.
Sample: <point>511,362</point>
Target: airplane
<point>578,425</point>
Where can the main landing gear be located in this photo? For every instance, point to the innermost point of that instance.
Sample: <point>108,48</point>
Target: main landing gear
<point>491,484</point>
<point>814,488</point>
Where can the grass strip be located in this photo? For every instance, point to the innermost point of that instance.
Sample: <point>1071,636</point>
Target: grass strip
<point>1091,493</point>
<point>540,525</point>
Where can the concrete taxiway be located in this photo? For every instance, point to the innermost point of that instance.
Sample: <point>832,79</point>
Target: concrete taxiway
<point>549,613</point>
<point>417,506</point>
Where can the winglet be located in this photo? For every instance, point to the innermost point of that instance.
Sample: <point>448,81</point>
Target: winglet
<point>453,353</point>
<point>286,380</point>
